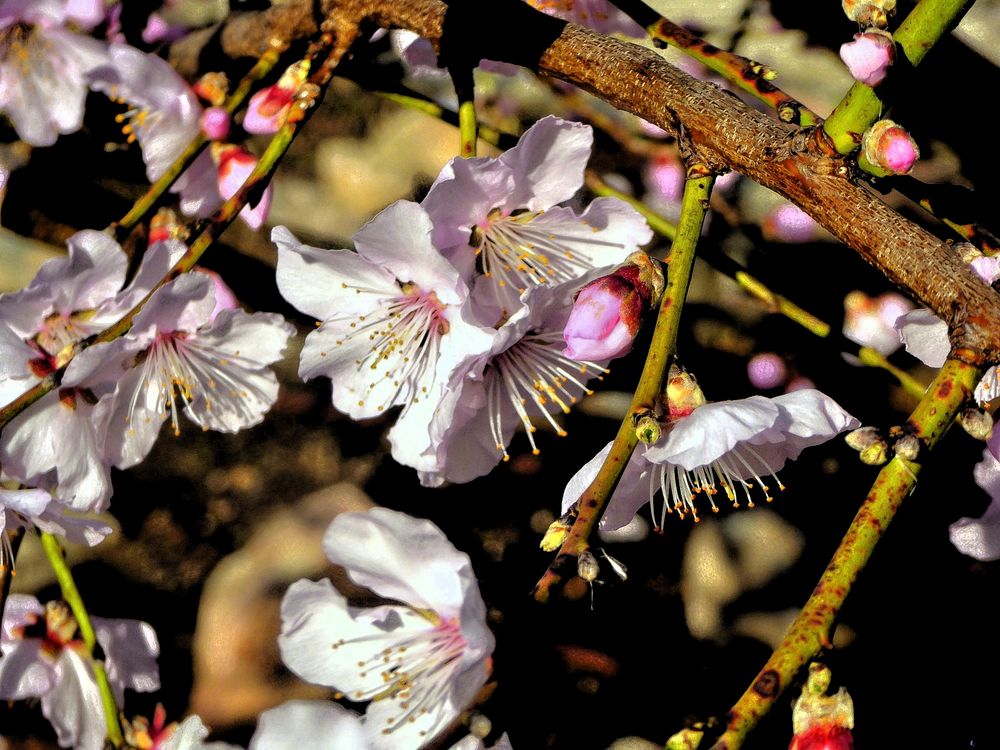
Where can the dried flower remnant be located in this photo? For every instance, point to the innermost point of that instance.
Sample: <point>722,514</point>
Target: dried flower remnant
<point>729,445</point>
<point>419,661</point>
<point>821,721</point>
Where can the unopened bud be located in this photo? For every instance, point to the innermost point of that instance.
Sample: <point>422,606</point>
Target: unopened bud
<point>820,721</point>
<point>888,146</point>
<point>907,447</point>
<point>875,454</point>
<point>862,437</point>
<point>869,56</point>
<point>587,566</point>
<point>977,423</point>
<point>767,370</point>
<point>557,532</point>
<point>607,312</point>
<point>684,395</point>
<point>214,123</point>
<point>269,107</point>
<point>647,429</point>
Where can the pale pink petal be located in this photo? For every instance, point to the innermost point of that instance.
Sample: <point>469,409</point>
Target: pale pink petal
<point>131,650</point>
<point>548,163</point>
<point>74,706</point>
<point>308,725</point>
<point>925,336</point>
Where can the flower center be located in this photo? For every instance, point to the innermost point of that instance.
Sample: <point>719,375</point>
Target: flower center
<point>13,40</point>
<point>534,376</point>
<point>416,670</point>
<point>403,343</point>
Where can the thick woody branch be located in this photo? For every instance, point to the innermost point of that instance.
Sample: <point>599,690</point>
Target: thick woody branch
<point>725,132</point>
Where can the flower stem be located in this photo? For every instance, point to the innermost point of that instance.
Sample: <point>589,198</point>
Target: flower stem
<point>146,202</point>
<point>861,106</point>
<point>416,102</point>
<point>467,128</point>
<point>71,595</point>
<point>872,358</point>
<point>811,630</point>
<point>694,206</point>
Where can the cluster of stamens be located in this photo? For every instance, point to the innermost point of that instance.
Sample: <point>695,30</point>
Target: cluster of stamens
<point>534,372</point>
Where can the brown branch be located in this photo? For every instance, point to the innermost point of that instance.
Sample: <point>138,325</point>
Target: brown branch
<point>726,133</point>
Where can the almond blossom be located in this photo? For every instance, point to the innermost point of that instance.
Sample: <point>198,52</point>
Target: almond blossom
<point>44,657</point>
<point>526,377</point>
<point>419,661</point>
<point>45,67</point>
<point>498,220</point>
<point>54,443</point>
<point>736,446</point>
<point>394,325</point>
<point>183,353</point>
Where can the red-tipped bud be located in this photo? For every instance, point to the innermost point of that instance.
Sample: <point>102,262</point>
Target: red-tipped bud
<point>821,721</point>
<point>215,123</point>
<point>885,144</point>
<point>608,311</point>
<point>269,107</point>
<point>869,56</point>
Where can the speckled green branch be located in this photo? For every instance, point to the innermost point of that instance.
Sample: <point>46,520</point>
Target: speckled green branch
<point>861,106</point>
<point>590,506</point>
<point>71,595</point>
<point>148,199</point>
<point>754,287</point>
<point>811,631</point>
<point>747,75</point>
<point>215,226</point>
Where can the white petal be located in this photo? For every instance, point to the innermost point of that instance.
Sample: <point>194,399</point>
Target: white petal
<point>313,280</point>
<point>629,496</point>
<point>73,706</point>
<point>978,537</point>
<point>925,336</point>
<point>25,502</point>
<point>25,671</point>
<point>308,725</point>
<point>462,196</point>
<point>548,163</point>
<point>402,558</point>
<point>399,239</point>
<point>131,649</point>
<point>714,429</point>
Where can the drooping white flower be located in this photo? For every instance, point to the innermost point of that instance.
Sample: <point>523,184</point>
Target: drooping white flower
<point>526,378</point>
<point>34,508</point>
<point>498,220</point>
<point>980,537</point>
<point>178,355</point>
<point>419,662</point>
<point>43,657</point>
<point>394,325</point>
<point>735,446</point>
<point>44,68</point>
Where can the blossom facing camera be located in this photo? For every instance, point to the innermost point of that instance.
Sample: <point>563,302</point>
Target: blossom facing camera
<point>869,56</point>
<point>887,145</point>
<point>607,313</point>
<point>421,660</point>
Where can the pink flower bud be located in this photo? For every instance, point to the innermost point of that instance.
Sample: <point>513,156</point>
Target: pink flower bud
<point>665,175</point>
<point>869,56</point>
<point>608,311</point>
<point>269,107</point>
<point>885,144</point>
<point>214,123</point>
<point>604,320</point>
<point>767,370</point>
<point>235,164</point>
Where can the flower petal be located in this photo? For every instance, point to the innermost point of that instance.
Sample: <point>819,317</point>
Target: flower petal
<point>548,163</point>
<point>925,336</point>
<point>308,725</point>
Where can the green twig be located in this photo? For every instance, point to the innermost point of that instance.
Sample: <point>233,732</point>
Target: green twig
<point>148,199</point>
<point>861,106</point>
<point>416,102</point>
<point>71,595</point>
<point>661,351</point>
<point>467,128</point>
<point>812,629</point>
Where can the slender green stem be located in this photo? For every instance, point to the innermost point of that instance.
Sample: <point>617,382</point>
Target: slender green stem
<point>146,202</point>
<point>861,106</point>
<point>416,102</point>
<point>662,349</point>
<point>70,593</point>
<point>872,358</point>
<point>812,629</point>
<point>467,128</point>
